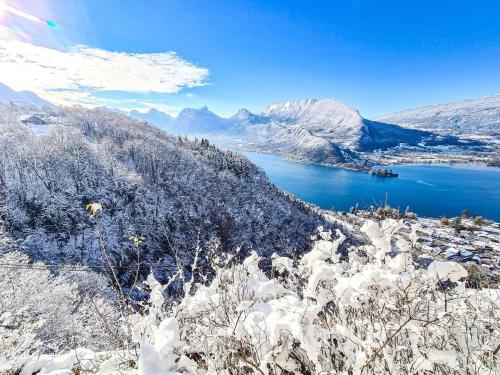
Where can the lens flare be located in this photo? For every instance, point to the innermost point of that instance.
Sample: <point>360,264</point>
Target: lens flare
<point>7,8</point>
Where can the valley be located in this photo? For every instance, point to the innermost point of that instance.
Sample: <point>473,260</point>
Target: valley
<point>249,187</point>
<point>331,133</point>
<point>118,240</point>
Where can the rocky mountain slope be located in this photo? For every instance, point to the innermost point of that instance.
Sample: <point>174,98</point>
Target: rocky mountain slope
<point>303,145</point>
<point>472,117</point>
<point>327,118</point>
<point>341,124</point>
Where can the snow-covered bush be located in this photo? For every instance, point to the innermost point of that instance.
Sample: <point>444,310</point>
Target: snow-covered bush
<point>376,311</point>
<point>44,313</point>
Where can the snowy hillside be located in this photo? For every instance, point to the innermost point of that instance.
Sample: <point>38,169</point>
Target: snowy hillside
<point>341,124</point>
<point>303,145</point>
<point>125,250</point>
<point>474,117</point>
<point>325,118</point>
<point>9,95</point>
<point>172,191</point>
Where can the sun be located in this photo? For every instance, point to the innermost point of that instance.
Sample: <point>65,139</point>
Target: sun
<point>2,8</point>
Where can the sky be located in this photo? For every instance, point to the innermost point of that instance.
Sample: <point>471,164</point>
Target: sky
<point>377,56</point>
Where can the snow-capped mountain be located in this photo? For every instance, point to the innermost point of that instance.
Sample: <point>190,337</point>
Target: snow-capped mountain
<point>154,116</point>
<point>340,124</point>
<point>480,116</point>
<point>325,118</point>
<point>244,117</point>
<point>9,95</point>
<point>189,121</point>
<point>320,131</point>
<point>199,121</point>
<point>329,119</point>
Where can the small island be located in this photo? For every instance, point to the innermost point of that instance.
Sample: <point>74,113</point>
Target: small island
<point>383,173</point>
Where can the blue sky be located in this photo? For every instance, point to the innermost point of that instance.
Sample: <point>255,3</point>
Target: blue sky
<point>377,56</point>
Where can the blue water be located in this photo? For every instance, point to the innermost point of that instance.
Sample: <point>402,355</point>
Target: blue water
<point>429,190</point>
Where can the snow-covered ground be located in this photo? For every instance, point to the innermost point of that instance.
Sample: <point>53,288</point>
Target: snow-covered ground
<point>435,158</point>
<point>370,308</point>
<point>472,241</point>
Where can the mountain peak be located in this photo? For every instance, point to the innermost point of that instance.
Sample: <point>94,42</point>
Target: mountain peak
<point>199,121</point>
<point>324,108</point>
<point>328,118</point>
<point>288,108</point>
<point>153,116</point>
<point>242,114</point>
<point>196,111</point>
<point>155,111</point>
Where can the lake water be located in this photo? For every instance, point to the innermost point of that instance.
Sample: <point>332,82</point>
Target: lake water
<point>429,190</point>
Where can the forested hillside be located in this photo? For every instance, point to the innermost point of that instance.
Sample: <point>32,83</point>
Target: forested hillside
<point>94,180</point>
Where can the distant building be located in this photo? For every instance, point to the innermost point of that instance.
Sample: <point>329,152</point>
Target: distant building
<point>32,120</point>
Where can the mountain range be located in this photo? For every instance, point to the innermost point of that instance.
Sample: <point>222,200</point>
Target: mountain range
<point>327,119</point>
<point>320,131</point>
<point>324,131</point>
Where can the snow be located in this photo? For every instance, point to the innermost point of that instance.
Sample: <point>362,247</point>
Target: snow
<point>310,130</point>
<point>247,319</point>
<point>381,235</point>
<point>327,118</point>
<point>447,270</point>
<point>480,116</point>
<point>360,300</point>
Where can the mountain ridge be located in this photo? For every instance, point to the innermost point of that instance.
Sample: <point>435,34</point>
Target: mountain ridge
<point>476,116</point>
<point>8,94</point>
<point>295,128</point>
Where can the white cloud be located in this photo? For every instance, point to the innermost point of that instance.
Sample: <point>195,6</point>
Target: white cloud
<point>71,77</point>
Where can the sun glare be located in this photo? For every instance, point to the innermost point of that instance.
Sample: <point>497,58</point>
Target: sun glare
<point>2,8</point>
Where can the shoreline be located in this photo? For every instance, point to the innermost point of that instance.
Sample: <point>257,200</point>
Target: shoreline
<point>385,159</point>
<point>364,169</point>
